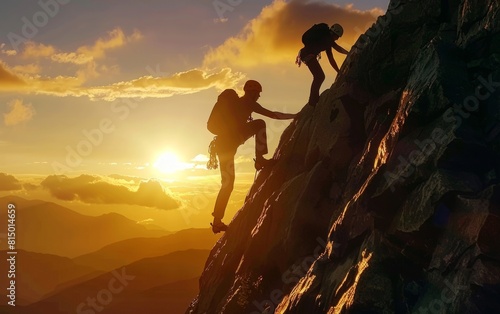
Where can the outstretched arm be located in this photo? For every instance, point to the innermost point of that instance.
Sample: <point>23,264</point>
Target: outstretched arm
<point>329,54</point>
<point>339,49</point>
<point>274,114</point>
<point>283,116</point>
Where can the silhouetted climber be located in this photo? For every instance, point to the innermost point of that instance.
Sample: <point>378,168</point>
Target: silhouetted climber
<point>231,121</point>
<point>319,38</point>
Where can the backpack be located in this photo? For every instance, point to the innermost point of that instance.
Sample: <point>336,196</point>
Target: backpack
<point>316,34</point>
<point>221,117</point>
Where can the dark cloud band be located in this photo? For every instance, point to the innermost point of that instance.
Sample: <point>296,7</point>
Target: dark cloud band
<point>95,190</point>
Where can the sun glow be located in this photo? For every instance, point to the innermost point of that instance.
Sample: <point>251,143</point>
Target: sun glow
<point>169,163</point>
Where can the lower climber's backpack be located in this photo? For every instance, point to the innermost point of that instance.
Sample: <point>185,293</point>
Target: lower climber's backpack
<point>223,112</point>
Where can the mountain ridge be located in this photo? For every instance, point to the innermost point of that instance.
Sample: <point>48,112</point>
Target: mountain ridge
<point>136,278</point>
<point>75,233</point>
<point>33,284</point>
<point>120,253</point>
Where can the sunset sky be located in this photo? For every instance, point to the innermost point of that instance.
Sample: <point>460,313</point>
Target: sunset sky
<point>104,103</point>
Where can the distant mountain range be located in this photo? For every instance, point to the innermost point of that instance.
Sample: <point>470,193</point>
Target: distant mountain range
<point>166,282</point>
<point>140,270</point>
<point>37,274</point>
<point>45,227</point>
<point>131,250</point>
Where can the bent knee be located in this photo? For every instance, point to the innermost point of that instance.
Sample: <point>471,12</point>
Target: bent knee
<point>320,77</point>
<point>260,123</point>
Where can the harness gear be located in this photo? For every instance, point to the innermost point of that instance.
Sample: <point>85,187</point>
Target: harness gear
<point>212,163</point>
<point>306,59</point>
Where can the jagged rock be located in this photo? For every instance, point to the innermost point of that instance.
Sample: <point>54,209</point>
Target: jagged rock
<point>386,196</point>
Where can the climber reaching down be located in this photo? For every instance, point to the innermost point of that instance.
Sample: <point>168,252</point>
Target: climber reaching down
<point>319,38</point>
<point>231,121</point>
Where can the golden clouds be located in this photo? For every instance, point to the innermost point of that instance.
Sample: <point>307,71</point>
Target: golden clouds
<point>87,62</point>
<point>274,36</point>
<point>9,80</point>
<point>84,54</point>
<point>71,57</point>
<point>104,190</point>
<point>159,87</point>
<point>144,87</point>
<point>7,52</point>
<point>198,79</point>
<point>58,86</point>
<point>18,113</point>
<point>34,50</point>
<point>29,78</point>
<point>27,69</point>
<point>9,183</point>
<point>116,39</point>
<point>188,82</point>
<point>97,190</point>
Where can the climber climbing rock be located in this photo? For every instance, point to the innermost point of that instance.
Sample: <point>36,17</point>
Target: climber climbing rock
<point>233,125</point>
<point>319,38</point>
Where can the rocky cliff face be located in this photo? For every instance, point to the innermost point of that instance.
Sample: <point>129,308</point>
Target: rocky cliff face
<point>386,196</point>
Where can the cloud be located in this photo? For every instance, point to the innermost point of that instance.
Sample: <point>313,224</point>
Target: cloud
<point>116,38</point>
<point>18,113</point>
<point>9,183</point>
<point>71,57</point>
<point>188,82</point>
<point>274,36</point>
<point>27,69</point>
<point>84,54</point>
<point>30,79</point>
<point>8,52</point>
<point>126,179</point>
<point>9,80</point>
<point>96,190</point>
<point>35,50</point>
<point>27,79</point>
<point>30,187</point>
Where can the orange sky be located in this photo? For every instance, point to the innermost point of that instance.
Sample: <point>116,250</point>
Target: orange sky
<point>105,103</point>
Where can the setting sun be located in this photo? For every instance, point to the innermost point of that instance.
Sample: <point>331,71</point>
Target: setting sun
<point>169,163</point>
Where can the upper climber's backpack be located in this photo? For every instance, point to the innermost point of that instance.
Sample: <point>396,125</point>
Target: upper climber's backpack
<point>222,115</point>
<point>316,34</point>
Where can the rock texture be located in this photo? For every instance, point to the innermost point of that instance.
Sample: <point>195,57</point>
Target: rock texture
<point>386,196</point>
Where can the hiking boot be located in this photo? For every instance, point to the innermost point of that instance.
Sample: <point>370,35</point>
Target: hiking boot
<point>218,227</point>
<point>261,163</point>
